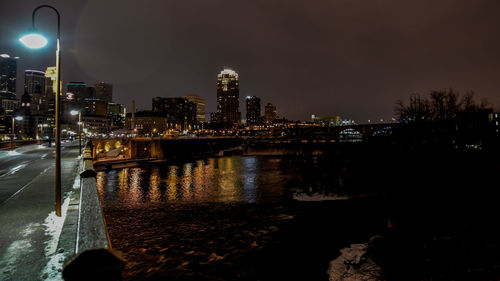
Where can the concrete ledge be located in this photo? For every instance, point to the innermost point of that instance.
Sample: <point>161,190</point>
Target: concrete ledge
<point>92,232</point>
<point>93,257</point>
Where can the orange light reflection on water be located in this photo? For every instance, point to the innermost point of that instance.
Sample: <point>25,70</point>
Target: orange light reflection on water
<point>226,179</point>
<point>155,181</point>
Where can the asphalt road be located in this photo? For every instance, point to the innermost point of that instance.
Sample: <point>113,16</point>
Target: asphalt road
<point>28,226</point>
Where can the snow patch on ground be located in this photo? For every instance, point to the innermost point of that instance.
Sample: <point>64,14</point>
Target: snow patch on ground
<point>300,196</point>
<point>13,153</point>
<point>17,250</point>
<point>354,264</point>
<point>53,227</point>
<point>76,183</point>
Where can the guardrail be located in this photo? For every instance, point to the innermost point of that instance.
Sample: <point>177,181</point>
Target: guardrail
<point>94,257</point>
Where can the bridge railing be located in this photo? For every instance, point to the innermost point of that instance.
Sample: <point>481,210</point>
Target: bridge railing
<point>94,257</point>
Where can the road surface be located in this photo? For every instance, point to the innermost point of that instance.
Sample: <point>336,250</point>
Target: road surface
<point>29,229</point>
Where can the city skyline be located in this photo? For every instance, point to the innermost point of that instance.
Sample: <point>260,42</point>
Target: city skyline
<point>329,53</point>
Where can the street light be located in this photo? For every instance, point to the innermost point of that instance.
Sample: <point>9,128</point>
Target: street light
<point>18,118</point>
<point>75,112</point>
<point>34,40</point>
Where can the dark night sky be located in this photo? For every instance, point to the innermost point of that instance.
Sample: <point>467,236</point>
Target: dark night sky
<point>352,58</point>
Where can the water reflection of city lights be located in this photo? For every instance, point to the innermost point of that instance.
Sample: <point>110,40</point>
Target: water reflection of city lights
<point>100,179</point>
<point>155,181</point>
<point>186,181</point>
<point>199,180</point>
<point>225,179</point>
<point>134,191</point>
<point>172,183</point>
<point>123,184</point>
<point>226,185</point>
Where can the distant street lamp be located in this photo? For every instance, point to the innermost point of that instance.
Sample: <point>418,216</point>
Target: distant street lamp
<point>75,112</point>
<point>18,118</point>
<point>34,40</point>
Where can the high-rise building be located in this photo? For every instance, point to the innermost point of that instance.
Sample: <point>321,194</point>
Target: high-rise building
<point>96,107</point>
<point>26,127</point>
<point>253,110</point>
<point>147,122</point>
<point>8,74</point>
<point>116,116</point>
<point>76,87</point>
<point>200,106</point>
<point>78,93</point>
<point>270,113</point>
<point>40,103</point>
<point>8,102</point>
<point>4,128</point>
<point>51,77</point>
<point>180,112</point>
<point>103,91</point>
<point>34,82</point>
<point>228,106</point>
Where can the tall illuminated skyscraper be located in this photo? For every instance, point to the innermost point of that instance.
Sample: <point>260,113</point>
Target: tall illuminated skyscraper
<point>200,107</point>
<point>8,74</point>
<point>228,106</point>
<point>253,110</point>
<point>34,81</point>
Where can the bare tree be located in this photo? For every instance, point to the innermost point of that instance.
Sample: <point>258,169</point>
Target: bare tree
<point>440,106</point>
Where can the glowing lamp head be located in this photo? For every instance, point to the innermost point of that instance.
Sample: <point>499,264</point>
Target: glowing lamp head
<point>33,40</point>
<point>19,118</point>
<point>74,112</point>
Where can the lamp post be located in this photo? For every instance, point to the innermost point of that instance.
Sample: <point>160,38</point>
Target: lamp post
<point>33,40</point>
<point>18,118</point>
<point>75,112</point>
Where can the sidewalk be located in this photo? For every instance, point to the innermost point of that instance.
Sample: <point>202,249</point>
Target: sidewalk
<point>30,230</point>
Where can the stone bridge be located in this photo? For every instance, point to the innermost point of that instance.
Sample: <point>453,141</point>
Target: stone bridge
<point>122,149</point>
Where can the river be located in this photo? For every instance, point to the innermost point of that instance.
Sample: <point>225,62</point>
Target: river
<point>218,219</point>
<point>232,218</point>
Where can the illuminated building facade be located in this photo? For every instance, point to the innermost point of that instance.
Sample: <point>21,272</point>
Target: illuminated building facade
<point>8,74</point>
<point>78,93</point>
<point>50,80</point>
<point>34,82</point>
<point>95,124</point>
<point>9,102</point>
<point>270,113</point>
<point>178,111</point>
<point>228,106</point>
<point>149,122</point>
<point>116,116</point>
<point>330,121</point>
<point>96,107</point>
<point>253,110</point>
<point>103,91</point>
<point>200,106</point>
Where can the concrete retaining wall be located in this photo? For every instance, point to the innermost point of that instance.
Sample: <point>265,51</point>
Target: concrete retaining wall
<point>94,257</point>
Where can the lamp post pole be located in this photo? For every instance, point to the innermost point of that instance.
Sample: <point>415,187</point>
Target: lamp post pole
<point>57,112</point>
